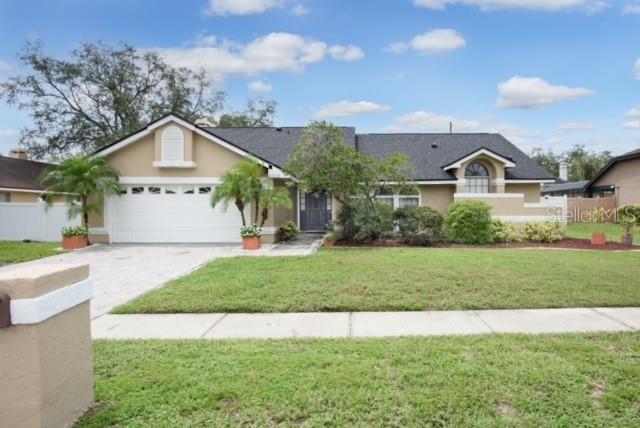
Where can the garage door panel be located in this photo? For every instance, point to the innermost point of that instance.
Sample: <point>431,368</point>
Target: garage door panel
<point>147,218</point>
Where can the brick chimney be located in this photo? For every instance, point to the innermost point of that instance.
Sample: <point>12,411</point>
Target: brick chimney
<point>18,153</point>
<point>564,171</point>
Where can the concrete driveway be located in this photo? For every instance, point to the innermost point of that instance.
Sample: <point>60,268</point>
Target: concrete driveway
<point>123,272</point>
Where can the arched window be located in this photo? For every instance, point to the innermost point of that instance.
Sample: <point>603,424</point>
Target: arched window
<point>172,144</point>
<point>476,178</point>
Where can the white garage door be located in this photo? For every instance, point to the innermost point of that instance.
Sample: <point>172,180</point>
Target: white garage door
<point>171,214</point>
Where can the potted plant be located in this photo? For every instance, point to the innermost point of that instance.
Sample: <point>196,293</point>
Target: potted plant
<point>246,184</point>
<point>74,237</point>
<point>251,237</point>
<point>628,217</point>
<point>330,239</point>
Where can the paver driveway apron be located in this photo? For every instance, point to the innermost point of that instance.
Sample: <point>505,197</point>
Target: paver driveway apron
<point>123,272</point>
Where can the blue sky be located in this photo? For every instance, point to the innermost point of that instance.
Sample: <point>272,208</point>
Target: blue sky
<point>545,73</point>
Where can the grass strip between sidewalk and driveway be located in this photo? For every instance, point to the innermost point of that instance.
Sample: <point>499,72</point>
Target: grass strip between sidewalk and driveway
<point>511,380</point>
<point>397,279</point>
<point>17,251</point>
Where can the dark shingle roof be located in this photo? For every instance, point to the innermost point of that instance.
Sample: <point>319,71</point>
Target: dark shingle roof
<point>272,144</point>
<point>561,187</point>
<point>21,173</point>
<point>633,154</point>
<point>430,152</point>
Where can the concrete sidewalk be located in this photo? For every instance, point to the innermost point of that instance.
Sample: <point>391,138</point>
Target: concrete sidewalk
<point>364,324</point>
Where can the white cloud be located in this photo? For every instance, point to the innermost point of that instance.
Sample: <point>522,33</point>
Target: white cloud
<point>275,52</point>
<point>349,108</point>
<point>432,42</point>
<point>299,10</point>
<point>4,66</point>
<point>589,6</point>
<point>259,86</point>
<point>631,9</point>
<point>634,115</point>
<point>577,126</point>
<point>346,53</point>
<point>241,7</point>
<point>533,92</point>
<point>518,135</point>
<point>636,68</point>
<point>423,121</point>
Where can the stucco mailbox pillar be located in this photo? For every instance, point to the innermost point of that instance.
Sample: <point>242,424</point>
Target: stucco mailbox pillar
<point>46,374</point>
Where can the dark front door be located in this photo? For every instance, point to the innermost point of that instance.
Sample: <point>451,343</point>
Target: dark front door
<point>315,211</point>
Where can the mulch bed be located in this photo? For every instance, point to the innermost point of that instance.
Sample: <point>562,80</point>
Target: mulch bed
<point>567,243</point>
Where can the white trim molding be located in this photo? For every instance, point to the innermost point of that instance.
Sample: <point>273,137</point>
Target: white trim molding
<point>516,181</point>
<point>98,231</point>
<point>525,218</point>
<point>488,195</point>
<point>41,308</point>
<point>174,164</point>
<point>170,180</point>
<point>269,230</point>
<point>171,118</point>
<point>457,164</point>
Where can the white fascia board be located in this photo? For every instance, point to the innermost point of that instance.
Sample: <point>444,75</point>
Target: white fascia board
<point>170,180</point>
<point>488,195</point>
<point>38,309</point>
<point>507,163</point>
<point>170,118</point>
<point>516,181</point>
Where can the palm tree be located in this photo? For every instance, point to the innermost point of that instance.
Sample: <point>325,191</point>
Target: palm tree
<point>240,185</point>
<point>85,181</point>
<point>274,197</point>
<point>245,183</point>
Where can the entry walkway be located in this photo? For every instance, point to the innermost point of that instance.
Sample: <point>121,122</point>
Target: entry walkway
<point>364,324</point>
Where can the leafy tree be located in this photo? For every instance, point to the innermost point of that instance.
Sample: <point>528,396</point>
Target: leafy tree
<point>322,162</point>
<point>583,164</point>
<point>99,94</point>
<point>259,112</point>
<point>244,184</point>
<point>85,181</point>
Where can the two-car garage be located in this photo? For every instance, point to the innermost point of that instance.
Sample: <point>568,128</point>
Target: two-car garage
<point>175,213</point>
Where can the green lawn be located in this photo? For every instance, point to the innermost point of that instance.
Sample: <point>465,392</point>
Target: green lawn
<point>342,279</point>
<point>16,251</point>
<point>483,381</point>
<point>613,231</point>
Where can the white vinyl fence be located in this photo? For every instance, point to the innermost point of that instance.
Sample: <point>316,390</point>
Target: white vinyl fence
<point>34,221</point>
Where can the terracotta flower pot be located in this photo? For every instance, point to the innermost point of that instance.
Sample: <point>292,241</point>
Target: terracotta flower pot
<point>251,243</point>
<point>599,239</point>
<point>627,239</point>
<point>74,242</point>
<point>328,243</point>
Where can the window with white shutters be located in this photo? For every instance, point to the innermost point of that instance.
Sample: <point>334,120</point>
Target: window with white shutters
<point>172,144</point>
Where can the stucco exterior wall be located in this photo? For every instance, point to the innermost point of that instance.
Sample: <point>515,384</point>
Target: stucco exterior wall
<point>496,172</point>
<point>531,191</point>
<point>23,197</point>
<point>438,197</point>
<point>625,176</point>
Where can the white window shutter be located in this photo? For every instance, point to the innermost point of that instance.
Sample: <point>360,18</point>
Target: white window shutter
<point>172,144</point>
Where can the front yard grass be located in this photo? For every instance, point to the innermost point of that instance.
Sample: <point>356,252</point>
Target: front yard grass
<point>508,380</point>
<point>614,231</point>
<point>393,279</point>
<point>17,251</point>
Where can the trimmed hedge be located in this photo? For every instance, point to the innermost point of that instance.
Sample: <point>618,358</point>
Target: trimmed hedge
<point>419,225</point>
<point>468,222</point>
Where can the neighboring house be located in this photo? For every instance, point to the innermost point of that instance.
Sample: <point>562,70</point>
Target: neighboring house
<point>170,168</point>
<point>20,178</point>
<point>619,178</point>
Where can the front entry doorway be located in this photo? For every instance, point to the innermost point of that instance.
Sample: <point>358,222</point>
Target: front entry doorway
<point>315,211</point>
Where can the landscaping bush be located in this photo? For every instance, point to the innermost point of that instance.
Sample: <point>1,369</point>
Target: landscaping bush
<point>288,231</point>
<point>543,232</point>
<point>504,232</point>
<point>419,225</point>
<point>366,221</point>
<point>468,222</point>
<point>629,217</point>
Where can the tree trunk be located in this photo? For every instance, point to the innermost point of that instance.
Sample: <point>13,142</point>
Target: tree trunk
<point>257,211</point>
<point>85,216</point>
<point>265,216</point>
<point>240,206</point>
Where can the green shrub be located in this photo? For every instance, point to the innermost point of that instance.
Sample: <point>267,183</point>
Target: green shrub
<point>70,231</point>
<point>504,232</point>
<point>366,221</point>
<point>330,236</point>
<point>288,231</point>
<point>419,225</point>
<point>543,232</point>
<point>468,222</point>
<point>629,217</point>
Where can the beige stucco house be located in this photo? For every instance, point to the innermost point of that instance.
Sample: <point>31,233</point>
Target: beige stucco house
<point>619,178</point>
<point>169,169</point>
